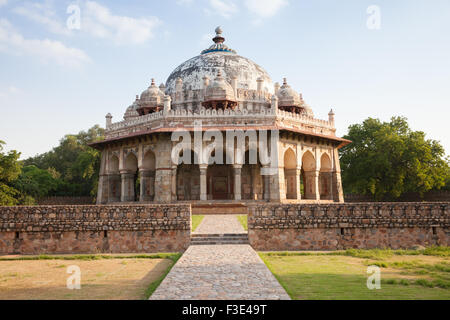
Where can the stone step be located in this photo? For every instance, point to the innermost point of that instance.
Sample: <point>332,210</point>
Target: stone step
<point>226,235</point>
<point>204,243</point>
<point>219,239</point>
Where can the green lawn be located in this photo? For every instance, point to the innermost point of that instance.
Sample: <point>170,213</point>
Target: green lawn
<point>343,275</point>
<point>196,220</point>
<point>243,220</point>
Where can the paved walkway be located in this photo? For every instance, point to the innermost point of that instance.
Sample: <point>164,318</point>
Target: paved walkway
<point>226,272</point>
<point>220,224</point>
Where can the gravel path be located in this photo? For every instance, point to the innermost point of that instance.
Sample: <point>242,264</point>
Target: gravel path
<point>227,272</point>
<point>220,224</point>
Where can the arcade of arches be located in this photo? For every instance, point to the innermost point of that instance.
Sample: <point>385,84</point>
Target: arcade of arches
<point>306,173</point>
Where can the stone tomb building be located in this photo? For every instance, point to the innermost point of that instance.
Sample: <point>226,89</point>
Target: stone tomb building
<point>219,90</point>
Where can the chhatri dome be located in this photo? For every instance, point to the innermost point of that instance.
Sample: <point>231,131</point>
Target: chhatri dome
<point>215,58</point>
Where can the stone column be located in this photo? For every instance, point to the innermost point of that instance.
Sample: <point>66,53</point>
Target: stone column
<point>338,192</point>
<point>147,191</point>
<point>316,184</point>
<point>203,188</point>
<point>127,194</point>
<point>174,184</point>
<point>298,184</point>
<point>237,182</point>
<point>114,188</point>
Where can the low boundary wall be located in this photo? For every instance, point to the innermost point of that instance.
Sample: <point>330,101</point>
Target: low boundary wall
<point>94,229</point>
<point>341,226</point>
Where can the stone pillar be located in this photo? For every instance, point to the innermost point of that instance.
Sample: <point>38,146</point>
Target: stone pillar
<point>237,182</point>
<point>298,184</point>
<point>266,191</point>
<point>114,188</point>
<point>174,184</point>
<point>147,178</point>
<point>127,194</point>
<point>316,184</point>
<point>338,193</point>
<point>203,188</point>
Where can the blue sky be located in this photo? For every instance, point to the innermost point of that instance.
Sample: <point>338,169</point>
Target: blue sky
<point>55,81</point>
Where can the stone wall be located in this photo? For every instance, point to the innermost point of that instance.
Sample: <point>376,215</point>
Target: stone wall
<point>343,226</point>
<point>94,229</point>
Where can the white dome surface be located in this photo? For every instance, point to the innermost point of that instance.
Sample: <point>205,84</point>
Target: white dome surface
<point>230,64</point>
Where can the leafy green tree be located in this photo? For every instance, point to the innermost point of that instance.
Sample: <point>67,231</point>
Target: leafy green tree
<point>388,159</point>
<point>74,163</point>
<point>10,169</point>
<point>37,183</point>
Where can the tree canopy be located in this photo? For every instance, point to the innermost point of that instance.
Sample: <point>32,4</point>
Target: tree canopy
<point>388,159</point>
<point>70,169</point>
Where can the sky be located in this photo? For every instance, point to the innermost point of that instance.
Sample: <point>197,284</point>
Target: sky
<point>65,64</point>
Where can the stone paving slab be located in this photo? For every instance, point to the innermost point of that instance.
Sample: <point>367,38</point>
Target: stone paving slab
<point>228,272</point>
<point>220,224</point>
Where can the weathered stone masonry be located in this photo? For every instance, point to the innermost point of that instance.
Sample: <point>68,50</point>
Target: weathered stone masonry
<point>94,229</point>
<point>343,226</point>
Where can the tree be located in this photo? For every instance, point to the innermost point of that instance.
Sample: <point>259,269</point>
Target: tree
<point>76,164</point>
<point>10,169</point>
<point>37,183</point>
<point>388,159</point>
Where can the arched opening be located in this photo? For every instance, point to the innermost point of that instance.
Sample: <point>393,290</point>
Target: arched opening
<point>188,179</point>
<point>220,180</point>
<point>130,183</point>
<point>147,177</point>
<point>290,174</point>
<point>114,180</point>
<point>309,175</point>
<point>325,177</point>
<point>252,183</point>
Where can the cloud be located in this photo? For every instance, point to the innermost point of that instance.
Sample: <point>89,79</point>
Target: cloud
<point>184,2</point>
<point>9,91</point>
<point>49,51</point>
<point>44,14</point>
<point>225,8</point>
<point>3,3</point>
<point>265,8</point>
<point>96,21</point>
<point>99,22</point>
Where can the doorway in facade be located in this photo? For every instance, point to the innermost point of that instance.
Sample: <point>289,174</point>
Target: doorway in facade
<point>220,182</point>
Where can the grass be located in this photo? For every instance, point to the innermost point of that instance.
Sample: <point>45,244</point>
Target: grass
<point>104,277</point>
<point>91,257</point>
<point>154,285</point>
<point>243,220</point>
<point>196,220</point>
<point>405,274</point>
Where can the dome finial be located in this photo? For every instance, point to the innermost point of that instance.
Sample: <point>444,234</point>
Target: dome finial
<point>218,38</point>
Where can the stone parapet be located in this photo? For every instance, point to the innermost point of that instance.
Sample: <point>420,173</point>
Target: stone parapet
<point>94,229</point>
<point>342,226</point>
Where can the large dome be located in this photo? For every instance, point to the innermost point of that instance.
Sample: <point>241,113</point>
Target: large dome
<point>219,58</point>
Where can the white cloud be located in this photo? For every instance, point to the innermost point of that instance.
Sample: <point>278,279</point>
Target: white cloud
<point>9,91</point>
<point>184,2</point>
<point>44,14</point>
<point>3,3</point>
<point>265,8</point>
<point>225,8</point>
<point>98,21</point>
<point>49,51</point>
